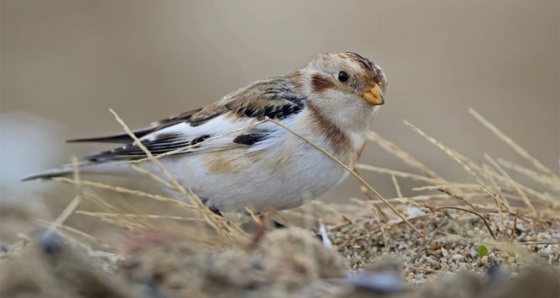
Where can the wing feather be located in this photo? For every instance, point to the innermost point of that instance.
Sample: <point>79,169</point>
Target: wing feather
<point>276,98</point>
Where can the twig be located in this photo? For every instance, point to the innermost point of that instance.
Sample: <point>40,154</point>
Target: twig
<point>447,192</point>
<point>513,230</point>
<point>473,212</point>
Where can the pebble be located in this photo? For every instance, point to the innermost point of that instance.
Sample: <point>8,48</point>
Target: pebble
<point>457,257</point>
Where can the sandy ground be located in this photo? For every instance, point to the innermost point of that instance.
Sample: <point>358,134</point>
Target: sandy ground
<point>364,261</point>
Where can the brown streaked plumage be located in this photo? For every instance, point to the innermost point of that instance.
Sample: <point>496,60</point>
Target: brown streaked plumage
<point>324,126</point>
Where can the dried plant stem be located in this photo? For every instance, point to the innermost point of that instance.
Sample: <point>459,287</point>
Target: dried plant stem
<point>72,205</point>
<point>127,191</point>
<point>460,159</point>
<point>537,177</point>
<point>134,215</point>
<point>513,183</point>
<point>411,176</point>
<point>152,175</point>
<point>475,213</point>
<point>150,156</point>
<point>367,194</point>
<point>78,232</point>
<point>402,154</point>
<point>499,197</point>
<point>537,164</point>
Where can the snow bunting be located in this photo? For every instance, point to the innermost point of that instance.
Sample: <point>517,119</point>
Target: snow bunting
<point>329,102</point>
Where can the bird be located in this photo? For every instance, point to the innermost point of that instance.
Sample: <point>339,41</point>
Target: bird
<point>234,155</point>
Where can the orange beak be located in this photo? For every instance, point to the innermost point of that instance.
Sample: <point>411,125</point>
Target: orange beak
<point>374,96</point>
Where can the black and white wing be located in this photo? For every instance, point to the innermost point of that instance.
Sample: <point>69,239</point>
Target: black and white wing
<point>218,126</point>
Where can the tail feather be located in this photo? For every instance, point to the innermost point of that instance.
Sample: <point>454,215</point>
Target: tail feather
<point>122,138</point>
<point>85,167</point>
<point>49,174</point>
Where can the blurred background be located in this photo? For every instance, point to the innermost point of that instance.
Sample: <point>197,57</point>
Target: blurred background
<point>64,63</point>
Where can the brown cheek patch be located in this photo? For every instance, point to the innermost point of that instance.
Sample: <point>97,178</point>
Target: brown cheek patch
<point>321,83</point>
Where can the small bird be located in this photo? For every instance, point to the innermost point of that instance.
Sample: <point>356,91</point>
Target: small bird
<point>329,102</point>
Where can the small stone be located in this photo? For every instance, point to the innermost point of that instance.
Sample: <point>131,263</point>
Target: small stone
<point>457,257</point>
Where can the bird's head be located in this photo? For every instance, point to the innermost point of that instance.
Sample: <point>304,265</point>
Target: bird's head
<point>345,75</point>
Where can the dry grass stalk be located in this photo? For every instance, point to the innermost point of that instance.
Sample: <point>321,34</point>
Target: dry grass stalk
<point>367,194</point>
<point>79,233</point>
<point>125,190</point>
<point>151,157</point>
<point>513,183</point>
<point>542,179</point>
<point>137,216</point>
<point>151,175</point>
<point>72,205</point>
<point>460,159</point>
<point>411,160</point>
<point>499,197</point>
<point>402,154</point>
<point>505,183</point>
<point>411,176</point>
<point>537,164</point>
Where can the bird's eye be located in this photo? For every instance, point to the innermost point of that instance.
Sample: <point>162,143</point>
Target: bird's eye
<point>343,76</point>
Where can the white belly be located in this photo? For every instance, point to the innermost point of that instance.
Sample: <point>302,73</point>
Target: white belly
<point>279,178</point>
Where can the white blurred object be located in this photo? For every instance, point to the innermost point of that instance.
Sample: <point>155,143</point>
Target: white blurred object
<point>27,143</point>
<point>413,211</point>
<point>324,236</point>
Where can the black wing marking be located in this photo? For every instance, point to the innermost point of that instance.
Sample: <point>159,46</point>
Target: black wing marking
<point>123,138</point>
<point>250,139</point>
<point>161,144</point>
